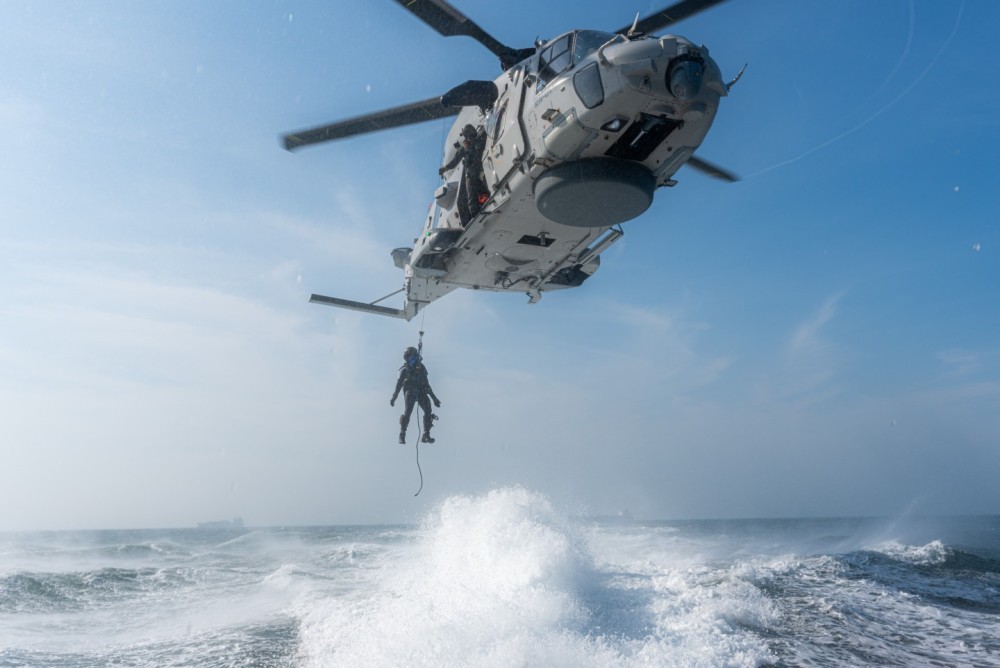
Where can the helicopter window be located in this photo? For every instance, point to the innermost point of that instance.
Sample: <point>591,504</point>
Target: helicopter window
<point>494,126</point>
<point>587,82</point>
<point>554,60</point>
<point>588,41</point>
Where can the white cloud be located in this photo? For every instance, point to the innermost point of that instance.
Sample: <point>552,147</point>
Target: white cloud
<point>809,367</point>
<point>807,338</point>
<point>966,362</point>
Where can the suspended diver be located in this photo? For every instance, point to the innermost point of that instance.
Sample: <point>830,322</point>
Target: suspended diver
<point>416,389</point>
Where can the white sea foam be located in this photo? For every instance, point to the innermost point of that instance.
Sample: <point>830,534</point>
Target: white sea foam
<point>934,552</point>
<point>504,579</point>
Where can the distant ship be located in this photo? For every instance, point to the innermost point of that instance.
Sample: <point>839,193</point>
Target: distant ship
<point>623,516</point>
<point>235,523</point>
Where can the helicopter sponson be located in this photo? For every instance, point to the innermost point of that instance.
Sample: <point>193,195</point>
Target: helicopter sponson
<point>543,163</point>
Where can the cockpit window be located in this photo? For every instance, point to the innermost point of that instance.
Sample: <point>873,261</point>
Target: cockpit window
<point>555,59</point>
<point>568,50</point>
<point>588,41</point>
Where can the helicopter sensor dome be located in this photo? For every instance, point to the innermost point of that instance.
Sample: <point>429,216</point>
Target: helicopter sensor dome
<point>595,192</point>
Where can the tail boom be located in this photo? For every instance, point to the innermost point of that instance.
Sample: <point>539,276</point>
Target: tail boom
<point>405,313</point>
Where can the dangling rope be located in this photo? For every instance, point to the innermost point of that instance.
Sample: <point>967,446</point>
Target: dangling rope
<point>418,469</point>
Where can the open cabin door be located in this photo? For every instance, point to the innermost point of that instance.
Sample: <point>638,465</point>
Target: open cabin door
<point>506,141</point>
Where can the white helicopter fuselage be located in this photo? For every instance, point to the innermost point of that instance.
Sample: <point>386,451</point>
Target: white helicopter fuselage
<point>579,137</point>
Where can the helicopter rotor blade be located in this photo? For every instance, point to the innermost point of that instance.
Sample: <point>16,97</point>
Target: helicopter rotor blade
<point>667,16</point>
<point>709,169</point>
<point>450,22</point>
<point>407,114</point>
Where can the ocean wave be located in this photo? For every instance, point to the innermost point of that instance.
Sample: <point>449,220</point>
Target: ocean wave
<point>898,605</point>
<point>957,579</point>
<point>960,560</point>
<point>934,552</point>
<point>39,592</point>
<point>937,553</point>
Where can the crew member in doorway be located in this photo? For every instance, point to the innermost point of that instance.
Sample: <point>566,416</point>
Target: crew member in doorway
<point>470,154</point>
<point>416,389</point>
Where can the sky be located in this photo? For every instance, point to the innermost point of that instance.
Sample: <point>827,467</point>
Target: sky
<point>820,339</point>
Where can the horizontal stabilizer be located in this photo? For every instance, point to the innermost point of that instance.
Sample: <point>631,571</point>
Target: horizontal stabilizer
<point>359,306</point>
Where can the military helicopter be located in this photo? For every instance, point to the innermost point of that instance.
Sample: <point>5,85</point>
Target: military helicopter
<point>545,162</point>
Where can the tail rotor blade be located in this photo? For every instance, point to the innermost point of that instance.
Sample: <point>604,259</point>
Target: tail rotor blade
<point>709,169</point>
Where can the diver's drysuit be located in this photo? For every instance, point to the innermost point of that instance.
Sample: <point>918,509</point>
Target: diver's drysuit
<point>416,389</point>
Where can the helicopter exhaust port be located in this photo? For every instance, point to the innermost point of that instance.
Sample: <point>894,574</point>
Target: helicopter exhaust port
<point>594,192</point>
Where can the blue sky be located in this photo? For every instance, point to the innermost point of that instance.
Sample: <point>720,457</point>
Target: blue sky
<point>822,338</point>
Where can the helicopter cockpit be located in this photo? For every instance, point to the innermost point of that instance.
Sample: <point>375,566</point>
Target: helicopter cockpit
<point>562,53</point>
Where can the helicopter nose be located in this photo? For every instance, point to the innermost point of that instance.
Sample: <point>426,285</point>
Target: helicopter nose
<point>684,79</point>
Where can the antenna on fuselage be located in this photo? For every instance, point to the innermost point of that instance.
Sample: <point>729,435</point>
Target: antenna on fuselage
<point>633,32</point>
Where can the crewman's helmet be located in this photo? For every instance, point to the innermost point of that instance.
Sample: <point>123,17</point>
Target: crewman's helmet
<point>409,353</point>
<point>469,132</point>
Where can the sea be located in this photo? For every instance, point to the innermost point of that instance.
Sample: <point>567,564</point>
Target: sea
<point>508,578</point>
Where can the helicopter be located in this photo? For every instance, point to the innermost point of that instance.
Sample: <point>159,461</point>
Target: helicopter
<point>545,162</point>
